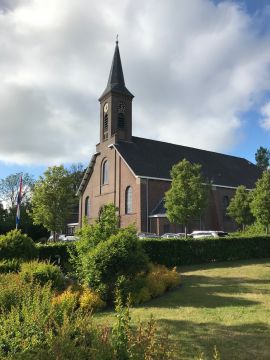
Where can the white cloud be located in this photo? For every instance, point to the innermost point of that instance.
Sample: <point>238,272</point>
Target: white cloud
<point>192,66</point>
<point>265,121</point>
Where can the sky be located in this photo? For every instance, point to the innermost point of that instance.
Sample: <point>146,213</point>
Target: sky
<point>199,70</point>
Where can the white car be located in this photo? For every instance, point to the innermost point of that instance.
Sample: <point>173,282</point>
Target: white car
<point>61,237</point>
<point>198,234</point>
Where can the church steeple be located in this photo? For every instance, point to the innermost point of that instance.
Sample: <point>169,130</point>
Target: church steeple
<point>116,81</point>
<point>116,105</point>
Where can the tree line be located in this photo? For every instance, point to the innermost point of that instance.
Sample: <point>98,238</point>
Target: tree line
<point>46,204</point>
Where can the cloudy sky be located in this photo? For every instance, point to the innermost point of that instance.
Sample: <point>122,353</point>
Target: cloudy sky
<point>199,70</point>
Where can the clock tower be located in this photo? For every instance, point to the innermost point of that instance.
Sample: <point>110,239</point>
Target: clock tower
<point>116,105</point>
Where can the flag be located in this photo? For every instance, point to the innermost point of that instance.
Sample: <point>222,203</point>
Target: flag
<point>19,198</point>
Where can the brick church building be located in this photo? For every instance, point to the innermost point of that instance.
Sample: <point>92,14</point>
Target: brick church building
<point>133,173</point>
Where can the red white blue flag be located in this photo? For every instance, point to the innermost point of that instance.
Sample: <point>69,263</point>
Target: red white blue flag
<point>19,199</point>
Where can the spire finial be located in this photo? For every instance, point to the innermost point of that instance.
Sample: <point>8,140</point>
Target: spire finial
<point>117,39</point>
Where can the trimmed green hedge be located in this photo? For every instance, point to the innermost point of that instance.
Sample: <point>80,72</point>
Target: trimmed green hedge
<point>55,252</point>
<point>174,252</point>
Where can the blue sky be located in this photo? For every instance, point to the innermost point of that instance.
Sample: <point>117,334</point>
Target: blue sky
<point>200,73</point>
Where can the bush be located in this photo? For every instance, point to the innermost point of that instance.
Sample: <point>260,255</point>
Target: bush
<point>15,245</point>
<point>155,283</point>
<point>175,252</point>
<point>65,304</point>
<point>11,291</point>
<point>31,330</point>
<point>161,279</point>
<point>42,273</point>
<point>58,253</point>
<point>122,254</point>
<point>7,266</point>
<point>91,301</point>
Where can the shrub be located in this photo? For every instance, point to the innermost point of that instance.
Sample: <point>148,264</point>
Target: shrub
<point>58,253</point>
<point>65,304</point>
<point>161,279</point>
<point>91,301</point>
<point>30,330</point>
<point>122,254</point>
<point>28,323</point>
<point>7,266</point>
<point>15,245</point>
<point>42,272</point>
<point>90,235</point>
<point>11,291</point>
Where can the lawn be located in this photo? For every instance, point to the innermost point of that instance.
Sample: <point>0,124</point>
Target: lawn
<point>224,304</point>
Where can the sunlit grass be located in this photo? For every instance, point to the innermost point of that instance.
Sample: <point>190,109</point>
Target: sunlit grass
<point>225,304</point>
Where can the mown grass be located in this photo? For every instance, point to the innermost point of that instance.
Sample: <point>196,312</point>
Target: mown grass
<point>226,305</point>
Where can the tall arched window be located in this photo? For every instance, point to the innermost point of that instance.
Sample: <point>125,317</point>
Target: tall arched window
<point>128,200</point>
<point>105,173</point>
<point>87,207</point>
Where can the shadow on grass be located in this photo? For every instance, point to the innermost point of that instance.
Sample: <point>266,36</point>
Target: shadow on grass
<point>210,292</point>
<point>242,342</point>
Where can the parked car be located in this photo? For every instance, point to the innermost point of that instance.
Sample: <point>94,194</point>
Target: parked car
<point>61,237</point>
<point>207,233</point>
<point>71,238</point>
<point>169,235</point>
<point>178,235</point>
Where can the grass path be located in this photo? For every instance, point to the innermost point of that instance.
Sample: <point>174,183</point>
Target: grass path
<point>225,304</point>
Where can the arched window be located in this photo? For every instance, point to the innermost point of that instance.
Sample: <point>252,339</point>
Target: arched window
<point>121,121</point>
<point>128,200</point>
<point>87,207</point>
<point>105,173</point>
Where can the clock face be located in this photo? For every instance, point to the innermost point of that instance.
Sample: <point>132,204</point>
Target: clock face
<point>106,107</point>
<point>121,107</point>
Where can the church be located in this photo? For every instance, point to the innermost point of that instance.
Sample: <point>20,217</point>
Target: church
<point>133,173</point>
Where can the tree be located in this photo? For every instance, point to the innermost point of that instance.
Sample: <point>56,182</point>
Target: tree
<point>260,204</point>
<point>7,222</point>
<point>52,199</point>
<point>76,172</point>
<point>262,158</point>
<point>187,196</point>
<point>239,207</point>
<point>10,185</point>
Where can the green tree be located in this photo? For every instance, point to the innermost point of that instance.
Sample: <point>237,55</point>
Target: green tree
<point>262,158</point>
<point>90,235</point>
<point>10,185</point>
<point>187,196</point>
<point>52,199</point>
<point>239,207</point>
<point>260,204</point>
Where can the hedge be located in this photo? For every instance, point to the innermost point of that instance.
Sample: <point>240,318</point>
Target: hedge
<point>55,252</point>
<point>175,252</point>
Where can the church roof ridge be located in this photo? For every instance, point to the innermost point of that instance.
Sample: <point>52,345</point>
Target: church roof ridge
<point>116,81</point>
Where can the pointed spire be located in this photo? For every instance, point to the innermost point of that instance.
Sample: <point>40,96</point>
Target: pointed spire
<point>116,80</point>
